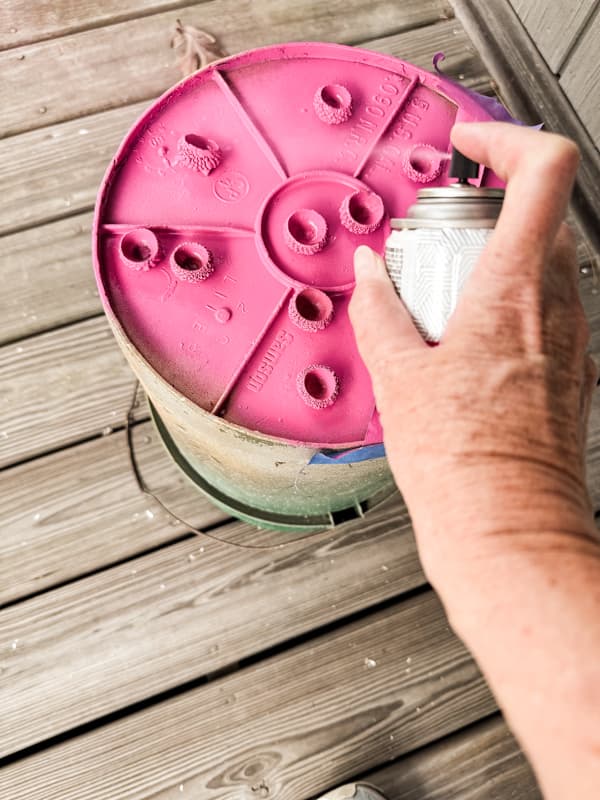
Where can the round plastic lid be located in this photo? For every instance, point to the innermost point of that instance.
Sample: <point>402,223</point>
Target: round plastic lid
<point>226,225</point>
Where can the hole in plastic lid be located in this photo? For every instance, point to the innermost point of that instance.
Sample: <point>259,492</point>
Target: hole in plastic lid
<point>306,231</point>
<point>188,260</point>
<point>423,163</point>
<point>333,103</point>
<point>365,208</point>
<point>311,309</point>
<point>139,247</point>
<point>197,141</point>
<point>335,96</point>
<point>362,212</point>
<point>191,262</point>
<point>197,153</point>
<point>318,386</point>
<point>420,161</point>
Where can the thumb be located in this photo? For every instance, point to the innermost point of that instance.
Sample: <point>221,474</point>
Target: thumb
<point>382,325</point>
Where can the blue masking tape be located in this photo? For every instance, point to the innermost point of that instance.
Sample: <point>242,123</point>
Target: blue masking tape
<point>366,453</point>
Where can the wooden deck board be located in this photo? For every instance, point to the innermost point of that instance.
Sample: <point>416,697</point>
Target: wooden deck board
<point>31,302</point>
<point>581,75</point>
<point>61,387</point>
<point>125,634</point>
<point>288,723</point>
<point>481,763</point>
<point>87,59</point>
<point>22,22</point>
<point>530,91</point>
<point>56,171</point>
<point>555,29</point>
<point>80,510</point>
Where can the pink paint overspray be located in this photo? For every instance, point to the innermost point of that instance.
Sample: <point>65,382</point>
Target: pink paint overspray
<point>223,241</point>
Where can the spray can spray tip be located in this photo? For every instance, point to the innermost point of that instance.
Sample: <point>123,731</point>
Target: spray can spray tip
<point>462,168</point>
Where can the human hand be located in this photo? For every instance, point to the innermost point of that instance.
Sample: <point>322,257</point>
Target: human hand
<point>485,434</point>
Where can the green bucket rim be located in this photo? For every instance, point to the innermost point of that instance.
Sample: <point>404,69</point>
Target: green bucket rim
<point>256,516</point>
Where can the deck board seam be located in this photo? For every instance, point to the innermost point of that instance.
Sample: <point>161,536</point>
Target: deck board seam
<point>244,664</point>
<point>589,19</point>
<point>520,91</point>
<point>74,212</point>
<point>115,428</point>
<point>106,567</point>
<point>52,329</point>
<point>116,20</point>
<point>465,729</point>
<point>146,98</point>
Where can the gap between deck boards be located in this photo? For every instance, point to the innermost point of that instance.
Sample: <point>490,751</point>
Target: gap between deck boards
<point>33,94</point>
<point>67,160</point>
<point>299,691</point>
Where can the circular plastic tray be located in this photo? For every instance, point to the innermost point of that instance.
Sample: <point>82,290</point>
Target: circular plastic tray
<point>226,225</point>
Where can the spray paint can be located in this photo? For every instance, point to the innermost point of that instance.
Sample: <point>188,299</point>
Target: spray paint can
<point>431,252</point>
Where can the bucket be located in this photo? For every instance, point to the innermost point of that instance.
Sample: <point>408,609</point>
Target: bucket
<point>223,240</point>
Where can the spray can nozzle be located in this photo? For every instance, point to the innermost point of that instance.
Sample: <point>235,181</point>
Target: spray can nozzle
<point>462,168</point>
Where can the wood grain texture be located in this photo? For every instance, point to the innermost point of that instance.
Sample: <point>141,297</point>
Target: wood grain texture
<point>61,387</point>
<point>481,763</point>
<point>555,27</point>
<point>47,278</point>
<point>33,93</point>
<point>22,22</point>
<point>581,76</point>
<point>151,624</point>
<point>51,535</point>
<point>81,509</point>
<point>57,170</point>
<point>289,726</point>
<point>590,296</point>
<point>530,90</point>
<point>462,63</point>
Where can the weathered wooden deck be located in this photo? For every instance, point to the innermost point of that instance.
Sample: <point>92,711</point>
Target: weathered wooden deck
<point>137,659</point>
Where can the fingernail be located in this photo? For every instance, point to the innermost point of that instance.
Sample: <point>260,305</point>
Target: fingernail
<point>365,262</point>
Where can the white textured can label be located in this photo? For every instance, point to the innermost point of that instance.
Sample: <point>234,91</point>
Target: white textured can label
<point>429,267</point>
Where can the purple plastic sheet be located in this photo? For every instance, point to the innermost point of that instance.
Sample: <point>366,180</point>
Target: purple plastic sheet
<point>493,106</point>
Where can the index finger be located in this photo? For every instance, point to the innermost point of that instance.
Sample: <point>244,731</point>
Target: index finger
<point>539,169</point>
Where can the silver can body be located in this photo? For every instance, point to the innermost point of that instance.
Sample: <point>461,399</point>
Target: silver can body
<point>430,254</point>
<point>429,268</point>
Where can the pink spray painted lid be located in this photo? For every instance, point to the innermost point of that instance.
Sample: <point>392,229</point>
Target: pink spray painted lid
<point>226,224</point>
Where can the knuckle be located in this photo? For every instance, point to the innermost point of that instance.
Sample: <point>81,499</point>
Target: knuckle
<point>563,153</point>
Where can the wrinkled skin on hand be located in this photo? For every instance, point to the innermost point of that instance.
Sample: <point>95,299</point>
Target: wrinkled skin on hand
<point>485,435</point>
<point>502,404</point>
